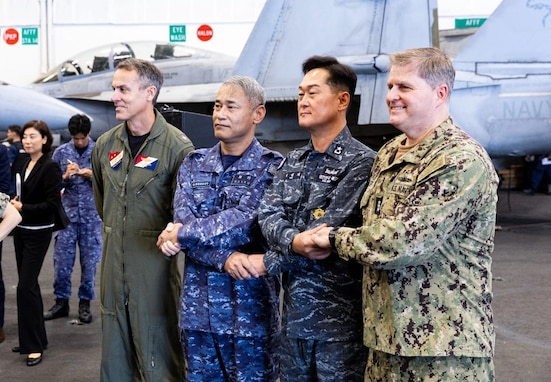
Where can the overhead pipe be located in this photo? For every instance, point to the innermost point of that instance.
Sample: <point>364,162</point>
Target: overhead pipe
<point>43,41</point>
<point>50,32</point>
<point>46,37</point>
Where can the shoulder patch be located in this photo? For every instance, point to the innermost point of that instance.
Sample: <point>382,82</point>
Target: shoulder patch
<point>184,138</point>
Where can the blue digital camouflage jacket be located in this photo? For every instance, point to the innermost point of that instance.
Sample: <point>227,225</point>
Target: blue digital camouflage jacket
<point>218,210</point>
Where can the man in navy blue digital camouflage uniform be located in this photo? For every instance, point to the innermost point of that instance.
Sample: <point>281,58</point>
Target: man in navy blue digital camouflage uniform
<point>228,308</point>
<point>74,158</point>
<point>320,183</point>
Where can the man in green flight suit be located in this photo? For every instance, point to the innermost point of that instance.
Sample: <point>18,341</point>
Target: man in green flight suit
<point>135,167</point>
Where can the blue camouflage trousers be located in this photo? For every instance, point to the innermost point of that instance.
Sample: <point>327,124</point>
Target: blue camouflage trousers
<point>322,361</point>
<point>89,240</point>
<point>224,358</point>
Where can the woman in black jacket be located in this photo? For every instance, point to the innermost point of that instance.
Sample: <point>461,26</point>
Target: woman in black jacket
<point>38,202</point>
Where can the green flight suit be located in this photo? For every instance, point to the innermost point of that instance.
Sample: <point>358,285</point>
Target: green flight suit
<point>139,286</point>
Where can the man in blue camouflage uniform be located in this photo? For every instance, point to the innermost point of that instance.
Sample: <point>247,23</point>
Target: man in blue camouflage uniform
<point>228,308</point>
<point>74,159</point>
<point>319,183</point>
<point>427,235</point>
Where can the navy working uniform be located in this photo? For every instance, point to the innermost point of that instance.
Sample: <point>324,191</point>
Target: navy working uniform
<point>84,228</point>
<point>427,235</point>
<point>217,206</point>
<point>321,297</point>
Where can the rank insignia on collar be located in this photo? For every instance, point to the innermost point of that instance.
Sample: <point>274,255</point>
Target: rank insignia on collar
<point>319,213</point>
<point>115,159</point>
<point>143,161</point>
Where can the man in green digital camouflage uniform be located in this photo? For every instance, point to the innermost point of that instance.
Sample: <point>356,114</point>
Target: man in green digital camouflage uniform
<point>428,231</point>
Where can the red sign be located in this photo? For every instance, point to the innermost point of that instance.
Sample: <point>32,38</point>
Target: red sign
<point>204,32</point>
<point>11,36</point>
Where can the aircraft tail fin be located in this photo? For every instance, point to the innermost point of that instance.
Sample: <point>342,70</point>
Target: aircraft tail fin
<point>360,33</point>
<point>518,31</point>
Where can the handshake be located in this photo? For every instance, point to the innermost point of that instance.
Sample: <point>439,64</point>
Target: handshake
<point>240,266</point>
<point>314,243</point>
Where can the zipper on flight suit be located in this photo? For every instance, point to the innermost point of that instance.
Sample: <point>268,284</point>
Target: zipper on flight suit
<point>146,184</point>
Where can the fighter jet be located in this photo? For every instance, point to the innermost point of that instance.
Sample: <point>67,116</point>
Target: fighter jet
<point>501,95</point>
<point>359,33</point>
<point>19,105</point>
<point>191,75</point>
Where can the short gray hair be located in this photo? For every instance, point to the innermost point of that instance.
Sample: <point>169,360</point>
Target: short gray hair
<point>252,89</point>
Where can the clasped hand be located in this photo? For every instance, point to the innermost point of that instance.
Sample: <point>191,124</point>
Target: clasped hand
<point>168,240</point>
<point>239,265</point>
<point>313,243</point>
<point>243,266</point>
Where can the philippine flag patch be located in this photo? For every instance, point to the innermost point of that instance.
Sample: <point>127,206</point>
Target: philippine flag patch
<point>146,162</point>
<point>115,159</point>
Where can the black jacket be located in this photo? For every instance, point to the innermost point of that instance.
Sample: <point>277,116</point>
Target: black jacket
<point>40,192</point>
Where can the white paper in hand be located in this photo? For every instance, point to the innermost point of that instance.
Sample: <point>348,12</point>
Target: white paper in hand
<point>18,186</point>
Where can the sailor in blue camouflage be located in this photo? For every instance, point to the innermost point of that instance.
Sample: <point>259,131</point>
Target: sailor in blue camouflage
<point>230,324</point>
<point>84,229</point>
<point>322,318</point>
<point>427,235</point>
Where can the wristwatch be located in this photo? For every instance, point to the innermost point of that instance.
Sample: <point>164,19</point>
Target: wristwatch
<point>332,234</point>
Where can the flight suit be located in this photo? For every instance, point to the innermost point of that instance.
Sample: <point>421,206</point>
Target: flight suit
<point>139,285</point>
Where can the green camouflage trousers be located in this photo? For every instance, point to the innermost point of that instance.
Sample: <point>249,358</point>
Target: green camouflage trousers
<point>383,367</point>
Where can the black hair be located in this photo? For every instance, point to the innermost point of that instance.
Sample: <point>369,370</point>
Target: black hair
<point>341,76</point>
<point>79,124</point>
<point>42,128</point>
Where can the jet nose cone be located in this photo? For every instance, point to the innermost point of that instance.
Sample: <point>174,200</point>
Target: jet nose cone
<point>20,105</point>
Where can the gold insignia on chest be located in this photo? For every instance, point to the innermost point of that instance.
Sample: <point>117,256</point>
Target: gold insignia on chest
<point>318,213</point>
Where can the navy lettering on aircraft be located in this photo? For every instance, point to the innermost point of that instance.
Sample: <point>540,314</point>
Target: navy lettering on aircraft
<point>527,109</point>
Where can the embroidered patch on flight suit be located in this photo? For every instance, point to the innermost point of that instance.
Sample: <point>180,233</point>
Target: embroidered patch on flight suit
<point>115,159</point>
<point>143,161</point>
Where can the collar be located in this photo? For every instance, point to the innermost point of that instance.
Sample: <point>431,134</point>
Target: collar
<point>335,150</point>
<point>248,160</point>
<point>419,151</point>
